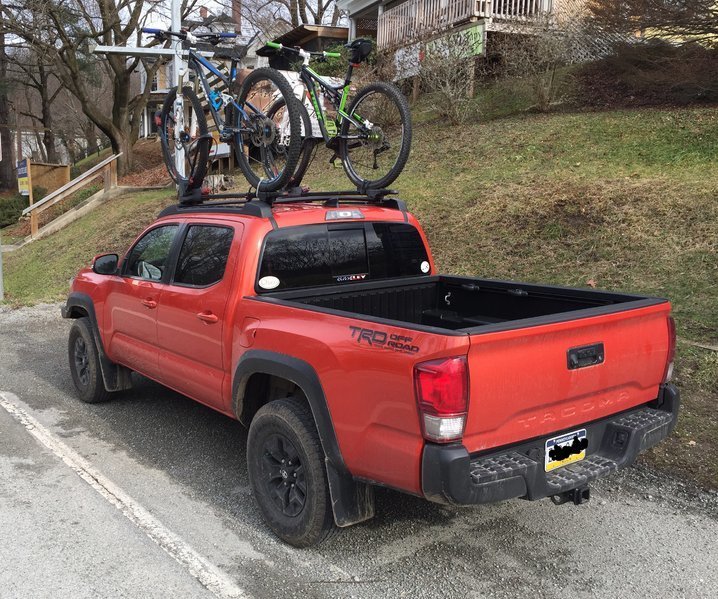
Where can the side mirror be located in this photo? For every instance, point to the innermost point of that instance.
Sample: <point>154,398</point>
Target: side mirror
<point>105,264</point>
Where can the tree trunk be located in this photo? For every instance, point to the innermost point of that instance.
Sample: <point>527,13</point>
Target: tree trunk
<point>7,174</point>
<point>90,136</point>
<point>121,142</point>
<point>48,138</point>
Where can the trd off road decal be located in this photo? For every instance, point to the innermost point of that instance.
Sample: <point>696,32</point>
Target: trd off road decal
<point>383,340</point>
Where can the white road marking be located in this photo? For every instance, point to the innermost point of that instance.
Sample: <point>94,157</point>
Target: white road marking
<point>209,575</point>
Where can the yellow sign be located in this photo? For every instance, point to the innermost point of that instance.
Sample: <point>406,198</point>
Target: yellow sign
<point>23,177</point>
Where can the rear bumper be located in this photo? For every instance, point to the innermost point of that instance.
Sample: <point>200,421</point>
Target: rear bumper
<point>451,475</point>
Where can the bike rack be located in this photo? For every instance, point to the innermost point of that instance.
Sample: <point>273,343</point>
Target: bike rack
<point>259,203</point>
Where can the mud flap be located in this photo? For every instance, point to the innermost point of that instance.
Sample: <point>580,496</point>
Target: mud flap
<point>352,501</point>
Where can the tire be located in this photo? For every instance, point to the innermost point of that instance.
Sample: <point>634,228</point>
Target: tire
<point>196,160</point>
<point>269,177</point>
<point>308,142</point>
<point>391,105</point>
<point>300,515</point>
<point>85,363</point>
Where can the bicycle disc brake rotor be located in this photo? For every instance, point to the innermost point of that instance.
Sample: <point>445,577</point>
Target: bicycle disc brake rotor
<point>264,131</point>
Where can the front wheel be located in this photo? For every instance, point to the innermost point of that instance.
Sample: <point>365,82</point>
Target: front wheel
<point>85,363</point>
<point>184,131</point>
<point>286,470</point>
<point>375,148</point>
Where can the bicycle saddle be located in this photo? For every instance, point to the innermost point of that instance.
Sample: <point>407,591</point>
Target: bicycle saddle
<point>360,49</point>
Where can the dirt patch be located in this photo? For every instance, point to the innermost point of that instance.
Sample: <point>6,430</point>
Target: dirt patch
<point>148,169</point>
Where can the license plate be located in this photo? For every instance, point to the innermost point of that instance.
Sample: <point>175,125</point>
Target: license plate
<point>565,449</point>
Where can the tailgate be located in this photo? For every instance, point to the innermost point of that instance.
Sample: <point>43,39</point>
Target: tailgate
<point>521,385</point>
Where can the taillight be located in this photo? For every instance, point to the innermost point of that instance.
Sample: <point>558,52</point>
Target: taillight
<point>668,373</point>
<point>442,394</point>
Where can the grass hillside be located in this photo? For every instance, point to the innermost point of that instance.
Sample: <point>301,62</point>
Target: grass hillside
<point>623,200</point>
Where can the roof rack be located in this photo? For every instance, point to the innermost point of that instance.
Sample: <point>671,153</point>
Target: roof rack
<point>259,203</point>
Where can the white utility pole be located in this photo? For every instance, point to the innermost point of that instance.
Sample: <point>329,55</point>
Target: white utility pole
<point>177,69</point>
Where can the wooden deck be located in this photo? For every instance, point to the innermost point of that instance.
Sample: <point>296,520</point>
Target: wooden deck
<point>417,19</point>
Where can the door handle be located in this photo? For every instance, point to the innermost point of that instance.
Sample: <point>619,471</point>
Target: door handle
<point>149,303</point>
<point>208,317</point>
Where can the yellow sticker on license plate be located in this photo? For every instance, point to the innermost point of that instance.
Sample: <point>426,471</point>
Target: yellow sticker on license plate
<point>565,449</point>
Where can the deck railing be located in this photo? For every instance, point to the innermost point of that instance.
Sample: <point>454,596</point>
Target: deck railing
<point>415,19</point>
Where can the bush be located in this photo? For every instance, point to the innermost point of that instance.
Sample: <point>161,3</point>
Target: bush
<point>650,74</point>
<point>11,208</point>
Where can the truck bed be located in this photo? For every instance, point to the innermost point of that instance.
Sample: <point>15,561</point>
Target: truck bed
<point>462,304</point>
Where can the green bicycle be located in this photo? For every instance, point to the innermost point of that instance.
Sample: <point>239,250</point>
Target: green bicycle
<point>371,136</point>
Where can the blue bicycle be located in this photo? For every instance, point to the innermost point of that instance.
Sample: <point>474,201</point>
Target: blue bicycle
<point>266,141</point>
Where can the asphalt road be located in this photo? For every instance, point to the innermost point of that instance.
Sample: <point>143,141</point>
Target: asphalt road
<point>147,496</point>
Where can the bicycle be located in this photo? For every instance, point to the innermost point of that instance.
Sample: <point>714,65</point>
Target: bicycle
<point>375,126</point>
<point>266,157</point>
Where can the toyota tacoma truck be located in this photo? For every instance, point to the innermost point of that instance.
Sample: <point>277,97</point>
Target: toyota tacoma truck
<point>321,323</point>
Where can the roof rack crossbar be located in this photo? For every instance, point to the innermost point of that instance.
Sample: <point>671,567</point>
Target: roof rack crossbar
<point>259,203</point>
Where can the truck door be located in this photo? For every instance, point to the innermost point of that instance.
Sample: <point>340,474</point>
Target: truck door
<point>191,320</point>
<point>133,300</point>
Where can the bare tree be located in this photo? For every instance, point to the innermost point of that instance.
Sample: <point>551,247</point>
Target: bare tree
<point>32,74</point>
<point>63,31</point>
<point>273,17</point>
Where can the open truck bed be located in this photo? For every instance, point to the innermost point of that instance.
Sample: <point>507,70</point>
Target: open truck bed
<point>462,304</point>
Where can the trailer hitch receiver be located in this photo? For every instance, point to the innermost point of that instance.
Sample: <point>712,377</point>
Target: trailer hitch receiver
<point>577,496</point>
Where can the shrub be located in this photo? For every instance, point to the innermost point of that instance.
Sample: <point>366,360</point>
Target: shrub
<point>11,208</point>
<point>650,73</point>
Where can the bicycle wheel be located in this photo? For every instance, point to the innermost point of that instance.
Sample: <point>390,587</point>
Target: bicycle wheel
<point>191,139</point>
<point>374,153</point>
<point>308,142</point>
<point>267,148</point>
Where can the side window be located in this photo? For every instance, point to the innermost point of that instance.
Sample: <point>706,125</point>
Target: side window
<point>203,256</point>
<point>148,259</point>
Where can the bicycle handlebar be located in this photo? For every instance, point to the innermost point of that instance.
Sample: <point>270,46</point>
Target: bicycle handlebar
<point>299,51</point>
<point>184,34</point>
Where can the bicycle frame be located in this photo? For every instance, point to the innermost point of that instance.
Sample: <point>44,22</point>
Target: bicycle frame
<point>309,78</point>
<point>196,62</point>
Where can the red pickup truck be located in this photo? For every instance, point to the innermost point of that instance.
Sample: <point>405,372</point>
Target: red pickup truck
<point>321,324</point>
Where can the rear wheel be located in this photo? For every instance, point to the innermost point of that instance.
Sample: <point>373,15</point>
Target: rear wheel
<point>267,148</point>
<point>192,138</point>
<point>85,363</point>
<point>287,473</point>
<point>377,151</point>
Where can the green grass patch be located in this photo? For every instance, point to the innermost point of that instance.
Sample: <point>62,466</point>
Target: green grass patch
<point>42,270</point>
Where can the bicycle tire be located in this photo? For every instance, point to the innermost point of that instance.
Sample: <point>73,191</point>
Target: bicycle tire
<point>308,142</point>
<point>294,146</point>
<point>393,95</point>
<point>198,166</point>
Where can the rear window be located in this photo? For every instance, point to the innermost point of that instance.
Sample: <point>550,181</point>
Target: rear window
<point>341,253</point>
